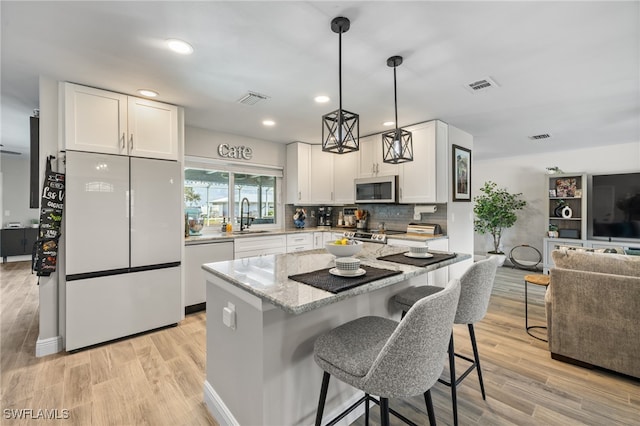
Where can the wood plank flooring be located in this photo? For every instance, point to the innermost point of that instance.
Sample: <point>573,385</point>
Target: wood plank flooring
<point>157,378</point>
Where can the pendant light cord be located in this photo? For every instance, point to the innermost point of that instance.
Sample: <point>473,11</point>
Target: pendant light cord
<point>340,86</point>
<point>395,96</point>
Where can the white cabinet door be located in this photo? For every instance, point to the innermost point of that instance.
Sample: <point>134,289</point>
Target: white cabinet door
<point>318,240</point>
<point>298,173</point>
<point>152,129</point>
<point>195,255</point>
<point>95,120</point>
<point>371,163</point>
<point>321,178</point>
<point>345,170</point>
<point>418,177</point>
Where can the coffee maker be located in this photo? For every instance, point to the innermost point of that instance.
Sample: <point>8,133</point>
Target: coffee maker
<point>324,216</point>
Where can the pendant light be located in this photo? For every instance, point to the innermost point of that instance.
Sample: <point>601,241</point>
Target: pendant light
<point>340,128</point>
<point>397,144</point>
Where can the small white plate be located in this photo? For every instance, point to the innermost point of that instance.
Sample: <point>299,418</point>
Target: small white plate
<point>336,272</point>
<point>418,255</point>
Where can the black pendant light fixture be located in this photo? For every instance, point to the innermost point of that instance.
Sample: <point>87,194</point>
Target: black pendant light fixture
<point>340,128</point>
<point>397,144</point>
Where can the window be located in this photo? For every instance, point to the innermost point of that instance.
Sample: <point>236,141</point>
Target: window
<point>213,196</point>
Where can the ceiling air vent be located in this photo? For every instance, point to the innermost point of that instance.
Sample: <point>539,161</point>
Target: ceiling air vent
<point>481,85</point>
<point>252,98</point>
<point>541,136</point>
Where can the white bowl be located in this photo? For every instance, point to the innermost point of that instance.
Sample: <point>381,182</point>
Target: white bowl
<point>344,250</point>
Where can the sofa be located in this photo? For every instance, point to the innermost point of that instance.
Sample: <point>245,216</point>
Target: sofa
<point>593,310</point>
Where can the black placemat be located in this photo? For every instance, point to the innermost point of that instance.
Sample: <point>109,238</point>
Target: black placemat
<point>322,279</point>
<point>401,258</point>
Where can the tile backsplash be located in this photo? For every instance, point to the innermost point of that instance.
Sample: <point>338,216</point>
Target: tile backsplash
<point>394,216</point>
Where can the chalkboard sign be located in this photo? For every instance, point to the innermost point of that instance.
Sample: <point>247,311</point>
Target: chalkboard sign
<point>45,251</point>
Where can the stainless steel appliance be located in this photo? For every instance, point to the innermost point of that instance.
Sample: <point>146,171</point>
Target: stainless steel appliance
<point>424,229</point>
<point>325,216</point>
<point>379,189</point>
<point>371,236</point>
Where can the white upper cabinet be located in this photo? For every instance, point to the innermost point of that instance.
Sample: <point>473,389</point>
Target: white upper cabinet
<point>424,180</point>
<point>371,163</point>
<point>111,123</point>
<point>95,120</point>
<point>153,129</point>
<point>298,173</point>
<point>322,175</point>
<point>345,170</point>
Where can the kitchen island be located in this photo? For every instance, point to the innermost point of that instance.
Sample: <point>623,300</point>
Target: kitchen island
<point>261,327</point>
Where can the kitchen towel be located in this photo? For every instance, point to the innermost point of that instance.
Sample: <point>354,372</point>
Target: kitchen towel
<point>323,280</point>
<point>401,258</point>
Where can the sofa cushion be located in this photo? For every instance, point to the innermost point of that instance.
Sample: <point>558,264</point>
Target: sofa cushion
<point>606,263</point>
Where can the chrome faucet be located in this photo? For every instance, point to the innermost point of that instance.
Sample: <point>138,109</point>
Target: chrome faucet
<point>242,224</point>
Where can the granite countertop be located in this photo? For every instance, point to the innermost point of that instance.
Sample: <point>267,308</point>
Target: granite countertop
<point>267,277</point>
<point>226,236</point>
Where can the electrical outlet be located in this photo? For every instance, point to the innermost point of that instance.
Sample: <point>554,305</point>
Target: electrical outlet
<point>229,316</point>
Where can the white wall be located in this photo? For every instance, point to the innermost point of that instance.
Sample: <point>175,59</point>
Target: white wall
<point>204,143</point>
<point>15,193</point>
<point>527,174</point>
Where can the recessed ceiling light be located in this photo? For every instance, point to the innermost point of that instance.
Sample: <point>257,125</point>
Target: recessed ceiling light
<point>148,93</point>
<point>322,99</point>
<point>179,46</point>
<point>269,123</point>
<point>388,123</point>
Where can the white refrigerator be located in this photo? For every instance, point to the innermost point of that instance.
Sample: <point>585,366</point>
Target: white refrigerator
<point>122,246</point>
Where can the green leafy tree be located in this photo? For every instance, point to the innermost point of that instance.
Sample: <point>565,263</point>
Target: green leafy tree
<point>191,196</point>
<point>495,211</point>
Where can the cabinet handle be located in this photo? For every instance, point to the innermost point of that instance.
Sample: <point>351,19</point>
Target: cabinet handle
<point>123,139</point>
<point>331,195</point>
<point>299,195</point>
<point>131,143</point>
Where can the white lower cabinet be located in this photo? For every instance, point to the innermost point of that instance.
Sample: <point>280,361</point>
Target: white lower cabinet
<point>438,277</point>
<point>259,246</point>
<point>195,256</point>
<point>300,242</point>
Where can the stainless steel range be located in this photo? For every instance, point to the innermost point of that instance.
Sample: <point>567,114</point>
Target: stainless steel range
<point>371,236</point>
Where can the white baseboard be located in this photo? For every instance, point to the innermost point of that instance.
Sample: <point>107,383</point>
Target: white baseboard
<point>224,417</point>
<point>49,346</point>
<point>217,407</point>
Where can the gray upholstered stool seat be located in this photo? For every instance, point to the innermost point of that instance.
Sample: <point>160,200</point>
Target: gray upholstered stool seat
<point>475,291</point>
<point>389,359</point>
<point>348,352</point>
<point>406,298</point>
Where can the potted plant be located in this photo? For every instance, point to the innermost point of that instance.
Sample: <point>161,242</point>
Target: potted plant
<point>553,231</point>
<point>495,211</point>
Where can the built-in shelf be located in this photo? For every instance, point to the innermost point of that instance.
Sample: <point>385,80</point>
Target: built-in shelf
<point>565,218</point>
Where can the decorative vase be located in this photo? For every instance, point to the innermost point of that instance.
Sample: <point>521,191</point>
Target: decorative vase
<point>566,212</point>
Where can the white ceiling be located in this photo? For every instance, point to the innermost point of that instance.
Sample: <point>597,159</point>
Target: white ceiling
<point>570,69</point>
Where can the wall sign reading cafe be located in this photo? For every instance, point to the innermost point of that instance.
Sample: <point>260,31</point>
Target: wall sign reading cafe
<point>236,152</point>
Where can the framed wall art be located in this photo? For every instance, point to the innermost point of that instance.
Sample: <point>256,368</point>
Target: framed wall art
<point>461,173</point>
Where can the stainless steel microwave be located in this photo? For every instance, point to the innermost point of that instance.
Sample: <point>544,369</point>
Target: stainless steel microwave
<point>379,189</point>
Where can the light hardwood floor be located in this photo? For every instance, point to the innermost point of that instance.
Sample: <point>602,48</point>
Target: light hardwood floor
<point>157,378</point>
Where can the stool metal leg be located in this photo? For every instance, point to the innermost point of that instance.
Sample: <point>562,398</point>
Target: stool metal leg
<point>452,373</point>
<point>366,409</point>
<point>384,411</point>
<point>323,397</point>
<point>472,334</point>
<point>429,403</point>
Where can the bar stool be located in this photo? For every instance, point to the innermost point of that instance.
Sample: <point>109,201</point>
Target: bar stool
<point>370,354</point>
<point>475,291</point>
<point>537,279</point>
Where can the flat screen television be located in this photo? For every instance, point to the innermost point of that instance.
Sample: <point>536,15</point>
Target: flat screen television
<point>614,207</point>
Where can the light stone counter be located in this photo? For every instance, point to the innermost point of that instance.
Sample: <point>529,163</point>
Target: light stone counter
<point>261,328</point>
<point>267,276</point>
